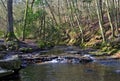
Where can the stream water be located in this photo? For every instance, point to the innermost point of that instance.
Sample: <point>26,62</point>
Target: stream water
<point>71,72</point>
<point>103,70</point>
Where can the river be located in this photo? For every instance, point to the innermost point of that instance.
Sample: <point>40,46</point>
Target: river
<point>102,70</point>
<point>71,72</point>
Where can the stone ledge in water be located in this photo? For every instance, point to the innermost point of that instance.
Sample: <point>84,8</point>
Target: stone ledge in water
<point>4,72</point>
<point>59,59</point>
<point>10,62</point>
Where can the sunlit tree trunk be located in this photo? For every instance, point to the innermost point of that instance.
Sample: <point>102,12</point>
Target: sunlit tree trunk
<point>109,18</point>
<point>78,20</point>
<point>68,19</point>
<point>116,14</point>
<point>101,8</point>
<point>100,20</point>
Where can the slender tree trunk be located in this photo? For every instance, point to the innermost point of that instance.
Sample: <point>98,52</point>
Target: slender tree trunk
<point>44,23</point>
<point>51,10</point>
<point>110,19</point>
<point>118,11</point>
<point>59,14</point>
<point>70,16</point>
<point>100,20</point>
<point>32,3</point>
<point>116,4</point>
<point>4,4</point>
<point>78,21</point>
<point>71,13</point>
<point>25,20</point>
<point>101,8</point>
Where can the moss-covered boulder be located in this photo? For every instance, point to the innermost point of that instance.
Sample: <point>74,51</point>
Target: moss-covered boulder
<point>12,45</point>
<point>45,44</point>
<point>2,47</point>
<point>26,50</point>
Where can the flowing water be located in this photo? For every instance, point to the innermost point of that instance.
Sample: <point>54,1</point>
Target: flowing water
<point>71,72</point>
<point>104,70</point>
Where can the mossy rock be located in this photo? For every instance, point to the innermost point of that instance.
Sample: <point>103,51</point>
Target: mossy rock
<point>11,64</point>
<point>105,49</point>
<point>2,47</point>
<point>98,53</point>
<point>41,44</point>
<point>113,51</point>
<point>12,45</point>
<point>45,44</point>
<point>26,50</point>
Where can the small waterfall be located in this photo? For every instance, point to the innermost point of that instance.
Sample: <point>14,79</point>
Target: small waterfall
<point>10,57</point>
<point>4,70</point>
<point>58,60</point>
<point>89,57</point>
<point>74,60</point>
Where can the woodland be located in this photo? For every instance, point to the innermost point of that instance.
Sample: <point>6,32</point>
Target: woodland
<point>48,23</point>
<point>83,34</point>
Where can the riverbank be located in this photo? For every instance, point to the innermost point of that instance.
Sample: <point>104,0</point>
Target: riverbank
<point>64,54</point>
<point>31,54</point>
<point>31,50</point>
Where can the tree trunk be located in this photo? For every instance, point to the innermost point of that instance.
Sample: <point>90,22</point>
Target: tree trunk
<point>100,20</point>
<point>25,20</point>
<point>59,14</point>
<point>51,10</point>
<point>4,5</point>
<point>10,36</point>
<point>32,3</point>
<point>78,21</point>
<point>110,19</point>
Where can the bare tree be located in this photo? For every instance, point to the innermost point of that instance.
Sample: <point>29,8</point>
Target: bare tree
<point>99,13</point>
<point>10,30</point>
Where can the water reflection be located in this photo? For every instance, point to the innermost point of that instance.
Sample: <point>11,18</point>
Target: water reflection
<point>69,72</point>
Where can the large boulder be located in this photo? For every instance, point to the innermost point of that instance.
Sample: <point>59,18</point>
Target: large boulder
<point>11,62</point>
<point>4,72</point>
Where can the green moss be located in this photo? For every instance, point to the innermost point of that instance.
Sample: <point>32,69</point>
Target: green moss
<point>11,37</point>
<point>45,44</point>
<point>97,45</point>
<point>82,45</point>
<point>113,51</point>
<point>26,50</point>
<point>106,49</point>
<point>98,53</point>
<point>12,45</point>
<point>41,44</point>
<point>1,33</point>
